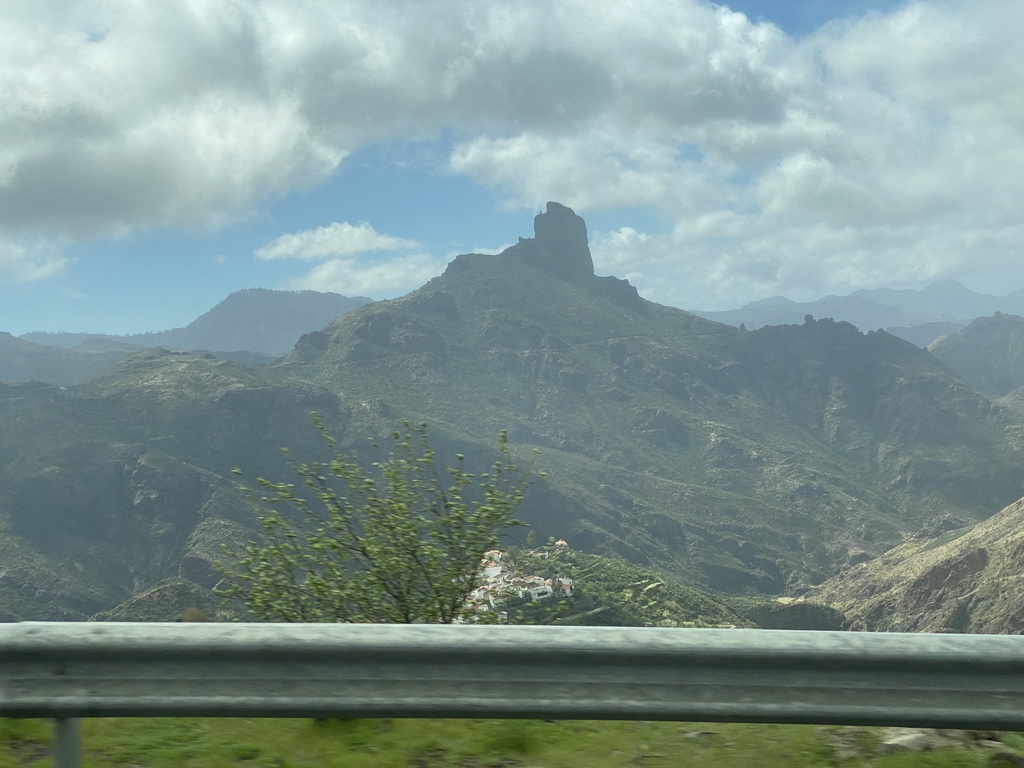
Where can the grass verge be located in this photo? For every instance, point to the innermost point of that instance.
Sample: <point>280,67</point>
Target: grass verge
<point>295,743</point>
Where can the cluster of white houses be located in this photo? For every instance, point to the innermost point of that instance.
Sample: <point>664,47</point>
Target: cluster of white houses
<point>500,582</point>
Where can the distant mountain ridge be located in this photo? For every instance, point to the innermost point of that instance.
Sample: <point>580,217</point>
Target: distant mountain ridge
<point>919,316</point>
<point>251,320</point>
<point>23,360</point>
<point>252,326</point>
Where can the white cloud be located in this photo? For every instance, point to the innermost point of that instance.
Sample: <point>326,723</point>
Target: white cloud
<point>25,259</point>
<point>73,293</point>
<point>124,116</point>
<point>336,239</point>
<point>379,278</point>
<point>483,249</point>
<point>346,268</point>
<point>882,148</point>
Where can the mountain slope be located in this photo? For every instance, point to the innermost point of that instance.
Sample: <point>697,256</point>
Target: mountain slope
<point>988,353</point>
<point>113,485</point>
<point>87,517</point>
<point>967,580</point>
<point>759,460</point>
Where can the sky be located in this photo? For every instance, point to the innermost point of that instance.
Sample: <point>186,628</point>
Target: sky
<point>155,157</point>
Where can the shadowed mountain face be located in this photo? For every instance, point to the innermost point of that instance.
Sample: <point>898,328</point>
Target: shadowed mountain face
<point>110,487</point>
<point>764,461</point>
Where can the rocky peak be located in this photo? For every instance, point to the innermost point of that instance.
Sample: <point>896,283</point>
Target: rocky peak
<point>559,249</point>
<point>559,246</point>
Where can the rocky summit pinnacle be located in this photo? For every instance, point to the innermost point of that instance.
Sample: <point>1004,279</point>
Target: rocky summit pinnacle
<point>559,246</point>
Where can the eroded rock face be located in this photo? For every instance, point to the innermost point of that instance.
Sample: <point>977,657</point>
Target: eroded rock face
<point>559,246</point>
<point>966,580</point>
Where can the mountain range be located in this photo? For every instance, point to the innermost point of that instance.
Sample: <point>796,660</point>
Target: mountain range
<point>760,461</point>
<point>921,317</point>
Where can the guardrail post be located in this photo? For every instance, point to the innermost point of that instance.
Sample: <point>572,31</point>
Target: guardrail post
<point>65,742</point>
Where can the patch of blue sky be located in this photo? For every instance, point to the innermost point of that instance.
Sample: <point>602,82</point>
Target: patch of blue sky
<point>148,281</point>
<point>400,190</point>
<point>800,18</point>
<point>186,273</point>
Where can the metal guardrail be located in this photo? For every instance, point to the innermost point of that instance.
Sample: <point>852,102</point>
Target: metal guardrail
<point>78,670</point>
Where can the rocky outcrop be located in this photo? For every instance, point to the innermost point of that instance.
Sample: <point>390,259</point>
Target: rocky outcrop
<point>559,246</point>
<point>387,331</point>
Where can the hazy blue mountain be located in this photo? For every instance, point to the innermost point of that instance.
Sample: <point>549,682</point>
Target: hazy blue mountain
<point>943,301</point>
<point>72,340</point>
<point>251,320</point>
<point>919,316</point>
<point>22,360</point>
<point>865,314</point>
<point>988,353</point>
<point>253,327</point>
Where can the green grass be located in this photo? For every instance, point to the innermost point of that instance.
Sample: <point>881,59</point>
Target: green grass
<point>295,743</point>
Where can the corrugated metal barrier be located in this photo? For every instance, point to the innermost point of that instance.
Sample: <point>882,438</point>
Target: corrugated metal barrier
<point>74,670</point>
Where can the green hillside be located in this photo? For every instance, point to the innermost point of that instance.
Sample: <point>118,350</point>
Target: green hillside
<point>607,591</point>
